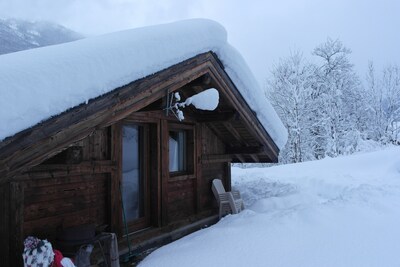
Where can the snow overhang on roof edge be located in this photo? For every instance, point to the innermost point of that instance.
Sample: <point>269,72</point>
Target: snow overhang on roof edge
<point>40,83</point>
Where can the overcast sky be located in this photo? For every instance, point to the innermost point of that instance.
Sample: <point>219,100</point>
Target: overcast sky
<point>262,30</point>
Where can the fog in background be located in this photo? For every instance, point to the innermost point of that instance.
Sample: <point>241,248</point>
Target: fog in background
<point>262,30</point>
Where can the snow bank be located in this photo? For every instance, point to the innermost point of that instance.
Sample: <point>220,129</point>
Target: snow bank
<point>39,83</point>
<point>334,212</point>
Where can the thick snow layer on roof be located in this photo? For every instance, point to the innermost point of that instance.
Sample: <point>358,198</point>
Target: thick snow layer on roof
<point>39,83</point>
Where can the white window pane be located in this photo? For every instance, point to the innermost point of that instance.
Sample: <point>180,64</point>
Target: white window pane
<point>173,155</point>
<point>131,193</point>
<point>177,151</point>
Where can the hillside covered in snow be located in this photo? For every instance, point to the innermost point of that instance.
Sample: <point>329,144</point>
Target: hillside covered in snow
<point>341,211</point>
<point>17,35</point>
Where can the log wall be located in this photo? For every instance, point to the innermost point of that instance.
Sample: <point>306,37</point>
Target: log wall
<point>181,199</point>
<point>64,202</point>
<point>211,145</point>
<point>4,225</point>
<point>71,188</point>
<point>76,186</point>
<point>191,194</point>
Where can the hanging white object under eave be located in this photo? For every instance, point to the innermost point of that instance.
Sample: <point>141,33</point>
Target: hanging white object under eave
<point>206,100</point>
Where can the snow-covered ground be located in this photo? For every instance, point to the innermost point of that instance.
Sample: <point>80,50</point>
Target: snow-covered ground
<point>334,212</point>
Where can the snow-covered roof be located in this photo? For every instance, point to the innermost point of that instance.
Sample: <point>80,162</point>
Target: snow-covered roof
<point>39,83</point>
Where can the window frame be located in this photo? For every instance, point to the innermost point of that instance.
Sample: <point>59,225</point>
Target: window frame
<point>145,221</point>
<point>189,172</point>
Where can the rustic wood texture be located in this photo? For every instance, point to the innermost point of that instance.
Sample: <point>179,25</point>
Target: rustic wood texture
<point>5,259</point>
<point>211,172</point>
<point>59,193</point>
<point>199,167</point>
<point>164,172</point>
<point>65,171</point>
<point>211,144</point>
<point>115,183</point>
<point>155,174</point>
<point>213,160</point>
<point>181,199</point>
<point>243,108</point>
<point>16,235</point>
<point>181,188</point>
<point>228,176</point>
<point>52,204</point>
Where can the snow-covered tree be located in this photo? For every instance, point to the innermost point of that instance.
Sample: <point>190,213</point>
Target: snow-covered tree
<point>289,91</point>
<point>384,104</point>
<point>391,102</point>
<point>322,105</point>
<point>326,109</point>
<point>374,101</point>
<point>336,97</point>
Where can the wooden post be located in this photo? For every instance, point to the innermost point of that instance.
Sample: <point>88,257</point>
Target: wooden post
<point>4,225</point>
<point>198,165</point>
<point>155,174</point>
<point>16,223</point>
<point>164,171</point>
<point>116,209</point>
<point>228,176</point>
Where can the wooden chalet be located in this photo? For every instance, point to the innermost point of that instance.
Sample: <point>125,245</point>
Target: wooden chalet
<point>77,167</point>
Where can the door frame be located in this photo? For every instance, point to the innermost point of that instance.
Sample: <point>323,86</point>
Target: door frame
<point>151,177</point>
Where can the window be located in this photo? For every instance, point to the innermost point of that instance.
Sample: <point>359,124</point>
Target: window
<point>177,151</point>
<point>181,149</point>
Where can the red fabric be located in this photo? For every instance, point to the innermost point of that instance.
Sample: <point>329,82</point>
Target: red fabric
<point>57,258</point>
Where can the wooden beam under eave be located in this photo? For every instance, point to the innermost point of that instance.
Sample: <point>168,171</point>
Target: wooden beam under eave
<point>254,157</point>
<point>245,150</point>
<point>197,88</point>
<point>227,141</point>
<point>235,133</point>
<point>240,158</point>
<point>215,117</point>
<point>207,159</point>
<point>224,82</point>
<point>218,158</point>
<point>203,82</point>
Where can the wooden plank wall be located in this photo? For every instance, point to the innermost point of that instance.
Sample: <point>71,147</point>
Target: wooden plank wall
<point>64,202</point>
<point>178,192</point>
<point>16,222</point>
<point>211,145</point>
<point>211,172</point>
<point>181,199</point>
<point>4,224</point>
<point>60,195</point>
<point>52,196</point>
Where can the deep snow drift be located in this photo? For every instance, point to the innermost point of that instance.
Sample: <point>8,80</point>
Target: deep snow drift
<point>334,212</point>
